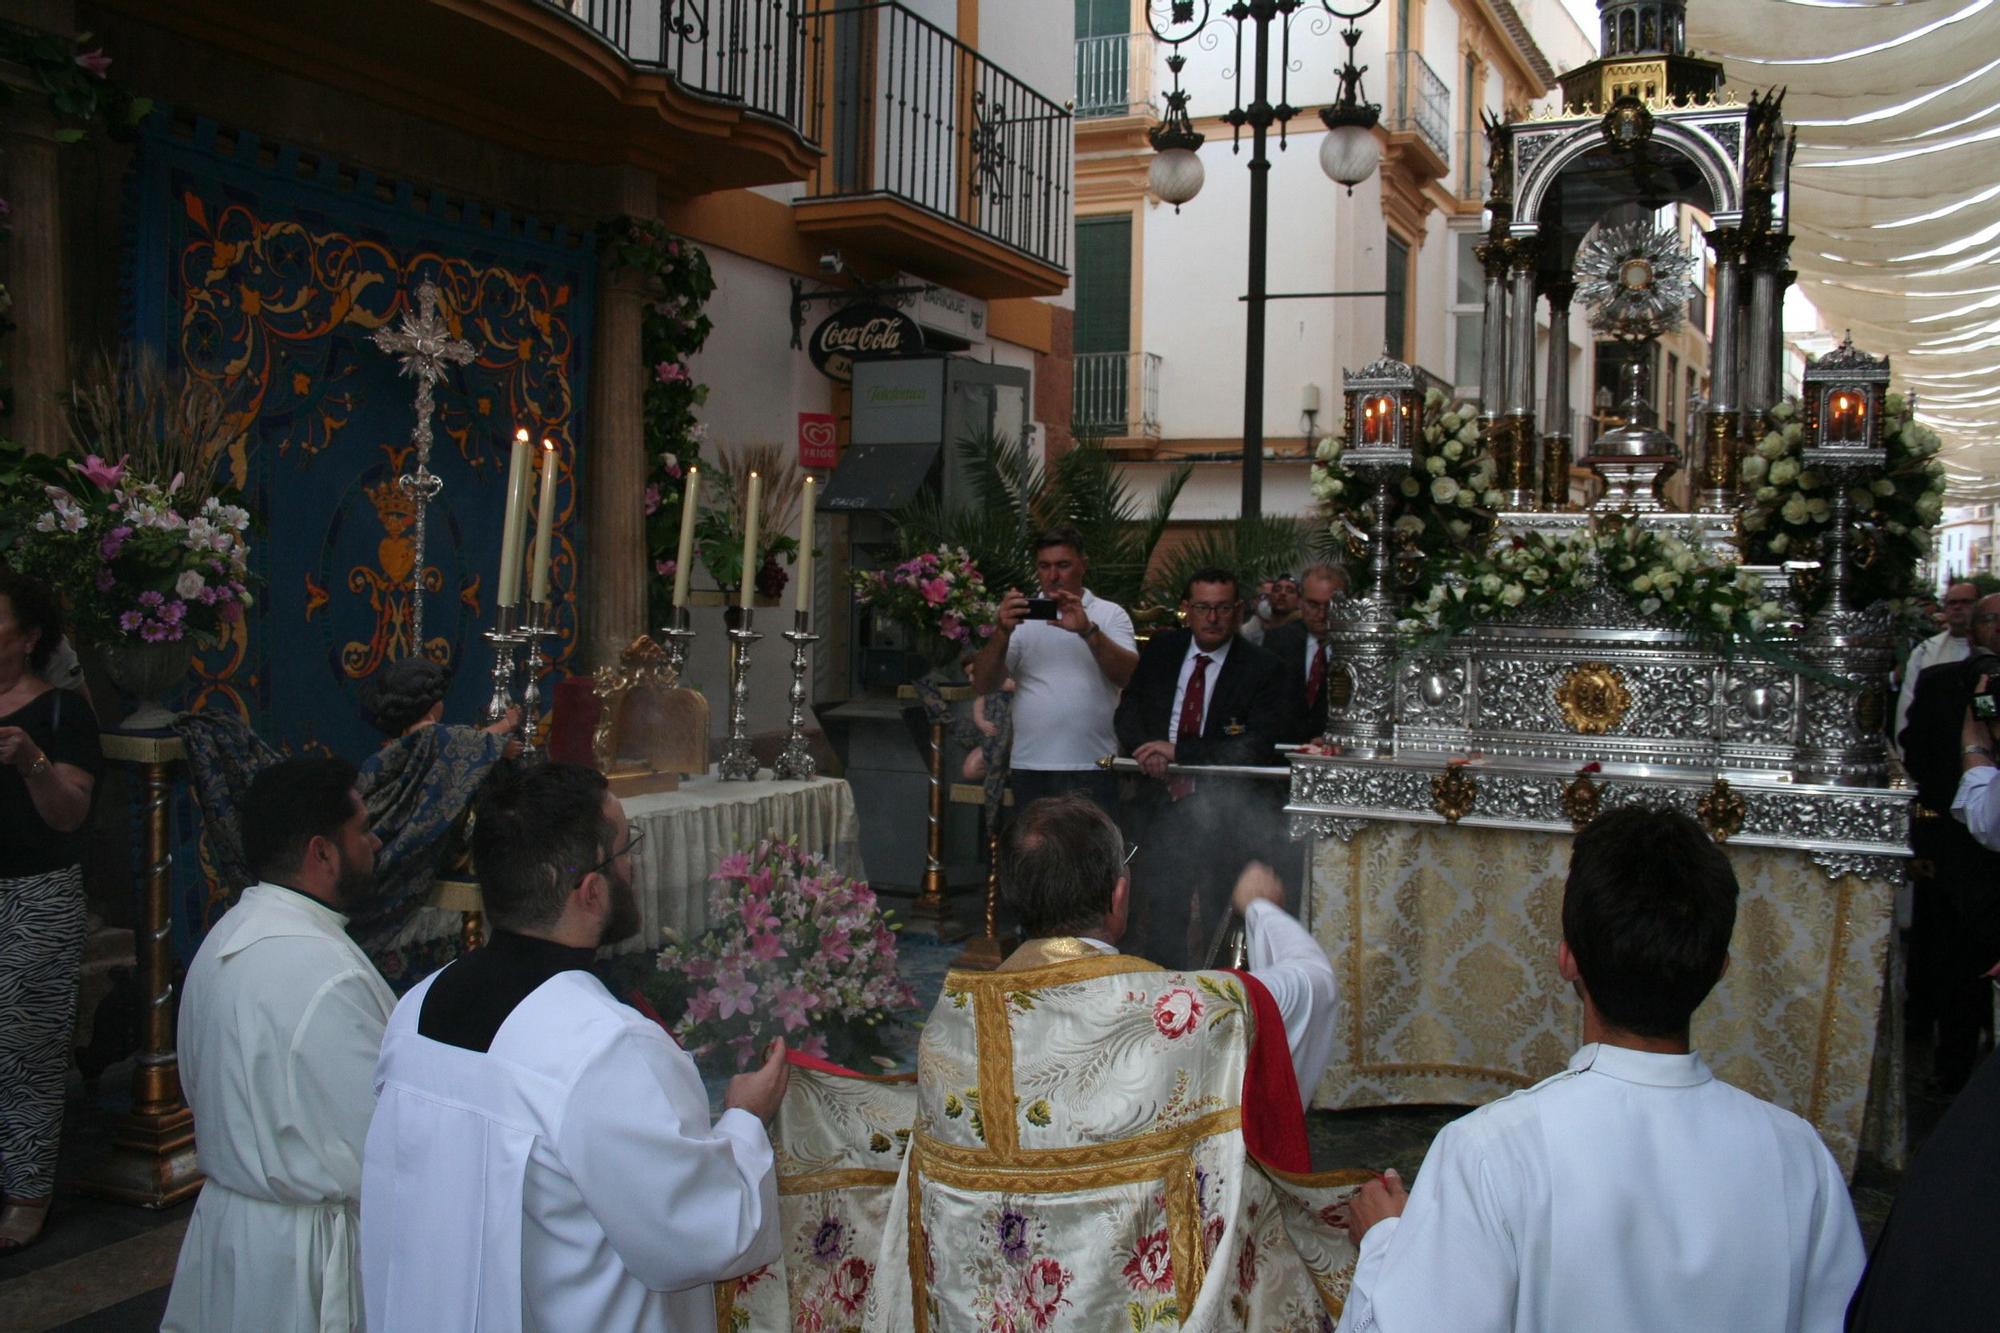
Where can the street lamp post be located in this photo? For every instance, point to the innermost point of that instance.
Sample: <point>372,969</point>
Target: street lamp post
<point>1348,155</point>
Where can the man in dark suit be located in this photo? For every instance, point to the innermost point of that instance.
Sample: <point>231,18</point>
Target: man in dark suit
<point>1301,646</point>
<point>1955,937</point>
<point>1201,696</point>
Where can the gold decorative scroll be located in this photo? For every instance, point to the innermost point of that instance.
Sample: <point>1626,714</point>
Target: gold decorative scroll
<point>1593,698</point>
<point>1453,792</point>
<point>1720,810</point>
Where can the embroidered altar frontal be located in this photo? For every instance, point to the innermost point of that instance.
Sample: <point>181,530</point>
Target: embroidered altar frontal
<point>1444,941</point>
<point>265,270</point>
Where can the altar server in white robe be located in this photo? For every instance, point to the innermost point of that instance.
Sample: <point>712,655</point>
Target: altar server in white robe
<point>541,1156</point>
<point>280,1025</point>
<point>1634,1190</point>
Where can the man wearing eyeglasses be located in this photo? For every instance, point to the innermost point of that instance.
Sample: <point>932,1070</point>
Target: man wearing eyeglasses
<point>1302,646</point>
<point>1955,934</point>
<point>1201,696</point>
<point>541,1155</point>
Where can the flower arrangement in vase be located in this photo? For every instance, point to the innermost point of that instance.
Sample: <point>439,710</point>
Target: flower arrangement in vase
<point>939,594</point>
<point>794,949</point>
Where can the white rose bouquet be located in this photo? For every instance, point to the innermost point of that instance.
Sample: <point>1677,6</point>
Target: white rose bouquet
<point>1443,505</point>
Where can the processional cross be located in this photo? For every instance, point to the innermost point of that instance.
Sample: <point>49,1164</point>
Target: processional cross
<point>423,344</point>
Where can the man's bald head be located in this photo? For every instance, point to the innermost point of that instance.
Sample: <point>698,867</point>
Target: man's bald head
<point>1958,600</point>
<point>1986,624</point>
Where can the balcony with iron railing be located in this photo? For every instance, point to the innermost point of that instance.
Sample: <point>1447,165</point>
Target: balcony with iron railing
<point>1114,76</point>
<point>937,159</point>
<point>1418,103</point>
<point>1116,395</point>
<point>706,94</point>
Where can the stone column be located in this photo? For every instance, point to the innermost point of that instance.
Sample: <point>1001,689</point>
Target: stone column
<point>1716,477</point>
<point>1517,473</point>
<point>35,274</point>
<point>1556,442</point>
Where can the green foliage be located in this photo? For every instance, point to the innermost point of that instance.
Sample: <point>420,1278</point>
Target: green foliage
<point>1254,549</point>
<point>673,327</point>
<point>1014,497</point>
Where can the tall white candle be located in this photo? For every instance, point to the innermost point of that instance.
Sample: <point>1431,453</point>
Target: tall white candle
<point>804,572</point>
<point>545,524</point>
<point>515,520</point>
<point>684,561</point>
<point>750,540</point>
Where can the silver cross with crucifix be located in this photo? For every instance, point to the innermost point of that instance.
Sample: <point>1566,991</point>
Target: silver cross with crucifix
<point>423,344</point>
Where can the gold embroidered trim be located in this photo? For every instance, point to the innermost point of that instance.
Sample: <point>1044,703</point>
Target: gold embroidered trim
<point>1048,950</point>
<point>1334,1179</point>
<point>843,1178</point>
<point>1184,1232</point>
<point>1054,973</point>
<point>725,1302</point>
<point>1055,1161</point>
<point>996,1068</point>
<point>913,1245</point>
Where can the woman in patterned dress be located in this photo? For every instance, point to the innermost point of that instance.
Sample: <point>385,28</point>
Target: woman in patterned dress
<point>49,762</point>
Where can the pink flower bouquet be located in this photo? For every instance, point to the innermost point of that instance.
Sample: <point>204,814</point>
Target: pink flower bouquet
<point>940,594</point>
<point>794,949</point>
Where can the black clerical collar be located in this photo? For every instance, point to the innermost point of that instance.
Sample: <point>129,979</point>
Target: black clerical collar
<point>472,998</point>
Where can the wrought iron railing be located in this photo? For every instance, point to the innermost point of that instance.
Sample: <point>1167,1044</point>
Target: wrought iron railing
<point>1469,171</point>
<point>1113,74</point>
<point>905,109</point>
<point>1116,393</point>
<point>748,52</point>
<point>1418,100</point>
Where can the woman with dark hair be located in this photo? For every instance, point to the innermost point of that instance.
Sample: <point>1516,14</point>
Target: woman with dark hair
<point>49,762</point>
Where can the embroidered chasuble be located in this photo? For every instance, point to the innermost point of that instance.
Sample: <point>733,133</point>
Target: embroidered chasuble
<point>1073,1159</point>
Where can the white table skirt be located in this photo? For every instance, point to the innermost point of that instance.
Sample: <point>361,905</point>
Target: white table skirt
<point>687,832</point>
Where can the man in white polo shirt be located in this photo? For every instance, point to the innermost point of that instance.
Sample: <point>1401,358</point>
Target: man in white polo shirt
<point>1067,673</point>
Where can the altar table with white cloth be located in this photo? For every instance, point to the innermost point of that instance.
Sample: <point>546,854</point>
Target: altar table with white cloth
<point>686,832</point>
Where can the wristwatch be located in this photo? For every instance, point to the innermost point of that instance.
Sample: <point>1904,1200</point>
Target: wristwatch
<point>40,766</point>
<point>1976,749</point>
<point>1088,631</point>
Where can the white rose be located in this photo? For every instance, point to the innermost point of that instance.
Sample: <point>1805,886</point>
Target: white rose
<point>1327,450</point>
<point>1410,487</point>
<point>1784,471</point>
<point>1465,499</point>
<point>1454,451</point>
<point>1512,594</point>
<point>1818,508</point>
<point>189,584</point>
<point>1434,465</point>
<point>1468,434</point>
<point>1793,432</point>
<point>1444,490</point>
<point>1683,561</point>
<point>1783,411</point>
<point>1649,605</point>
<point>1459,528</point>
<point>1780,541</point>
<point>1882,486</point>
<point>1771,445</point>
<point>1489,585</point>
<point>1642,584</point>
<point>1753,520</point>
<point>1450,422</point>
<point>1894,404</point>
<point>1929,505</point>
<point>1410,524</point>
<point>1335,486</point>
<point>1753,469</point>
<point>1766,494</point>
<point>1796,510</point>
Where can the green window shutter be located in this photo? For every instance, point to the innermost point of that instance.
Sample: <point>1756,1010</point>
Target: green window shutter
<point>1102,18</point>
<point>1396,282</point>
<point>1104,284</point>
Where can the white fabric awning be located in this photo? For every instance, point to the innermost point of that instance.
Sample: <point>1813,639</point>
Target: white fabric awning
<point>1896,188</point>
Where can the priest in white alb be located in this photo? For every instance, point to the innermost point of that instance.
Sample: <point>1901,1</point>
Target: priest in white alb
<point>541,1155</point>
<point>1634,1192</point>
<point>280,1024</point>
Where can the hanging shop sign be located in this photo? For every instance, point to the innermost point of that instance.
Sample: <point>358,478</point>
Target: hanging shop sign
<point>864,330</point>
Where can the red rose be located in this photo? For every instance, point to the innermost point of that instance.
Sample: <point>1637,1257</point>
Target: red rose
<point>1151,1267</point>
<point>1042,1287</point>
<point>850,1283</point>
<point>1177,1012</point>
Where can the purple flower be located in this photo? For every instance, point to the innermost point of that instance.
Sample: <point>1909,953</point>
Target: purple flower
<point>171,613</point>
<point>151,632</point>
<point>1014,1235</point>
<point>830,1241</point>
<point>150,599</point>
<point>114,542</point>
<point>106,581</point>
<point>129,622</point>
<point>670,372</point>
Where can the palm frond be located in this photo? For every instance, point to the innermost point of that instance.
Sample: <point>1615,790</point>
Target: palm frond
<point>1252,549</point>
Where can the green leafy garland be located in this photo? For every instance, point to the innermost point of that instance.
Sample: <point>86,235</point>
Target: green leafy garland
<point>1892,518</point>
<point>672,328</point>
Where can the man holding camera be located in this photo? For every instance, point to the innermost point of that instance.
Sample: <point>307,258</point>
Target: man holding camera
<point>1955,936</point>
<point>1069,653</point>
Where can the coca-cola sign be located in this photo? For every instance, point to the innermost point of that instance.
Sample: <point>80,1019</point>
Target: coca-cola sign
<point>864,330</point>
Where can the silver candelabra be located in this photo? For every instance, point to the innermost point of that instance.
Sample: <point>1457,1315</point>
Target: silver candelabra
<point>796,761</point>
<point>679,636</point>
<point>738,763</point>
<point>504,640</point>
<point>538,626</point>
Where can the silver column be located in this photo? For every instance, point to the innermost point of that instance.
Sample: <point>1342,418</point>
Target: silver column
<point>1716,473</point>
<point>1493,329</point>
<point>1556,442</point>
<point>1760,368</point>
<point>1517,470</point>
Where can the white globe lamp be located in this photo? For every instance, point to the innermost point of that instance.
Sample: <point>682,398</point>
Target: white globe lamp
<point>1176,175</point>
<point>1349,154</point>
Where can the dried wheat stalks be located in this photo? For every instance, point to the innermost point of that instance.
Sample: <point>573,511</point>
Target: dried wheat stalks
<point>166,423</point>
<point>777,497</point>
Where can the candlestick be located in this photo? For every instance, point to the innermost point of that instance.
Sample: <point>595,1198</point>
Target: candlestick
<point>738,763</point>
<point>805,569</point>
<point>516,519</point>
<point>545,524</point>
<point>684,560</point>
<point>678,636</point>
<point>501,636</point>
<point>796,762</point>
<point>750,542</point>
<point>534,628</point>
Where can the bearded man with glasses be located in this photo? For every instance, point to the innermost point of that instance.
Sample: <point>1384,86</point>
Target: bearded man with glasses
<point>1201,697</point>
<point>541,1154</point>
